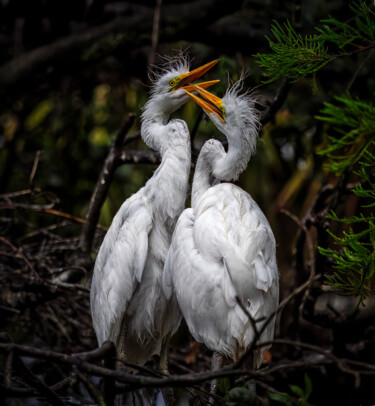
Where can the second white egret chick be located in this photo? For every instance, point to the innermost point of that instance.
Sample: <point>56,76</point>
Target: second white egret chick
<point>223,247</point>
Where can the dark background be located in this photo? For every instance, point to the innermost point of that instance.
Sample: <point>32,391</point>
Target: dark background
<point>70,74</point>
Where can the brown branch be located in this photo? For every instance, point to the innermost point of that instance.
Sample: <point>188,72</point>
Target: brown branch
<point>20,254</point>
<point>311,259</point>
<point>106,350</point>
<point>100,192</point>
<point>91,388</point>
<point>257,333</point>
<point>138,381</point>
<point>155,33</point>
<point>34,169</point>
<point>26,65</point>
<point>134,30</point>
<point>18,193</point>
<point>41,209</point>
<point>37,384</point>
<point>277,102</point>
<point>359,68</point>
<point>130,138</point>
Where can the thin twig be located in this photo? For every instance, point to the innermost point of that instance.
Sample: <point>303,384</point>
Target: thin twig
<point>155,33</point>
<point>361,65</point>
<point>33,169</point>
<point>311,259</point>
<point>258,333</point>
<point>21,255</point>
<point>91,388</point>
<point>278,101</point>
<point>37,383</point>
<point>138,381</point>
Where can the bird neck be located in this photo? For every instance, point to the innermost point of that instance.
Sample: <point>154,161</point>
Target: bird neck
<point>167,188</point>
<point>215,165</point>
<point>241,145</point>
<point>203,177</point>
<point>154,118</point>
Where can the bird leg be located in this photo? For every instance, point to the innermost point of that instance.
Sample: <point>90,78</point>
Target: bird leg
<point>163,360</point>
<point>121,347</point>
<point>121,355</point>
<point>163,367</point>
<point>216,363</point>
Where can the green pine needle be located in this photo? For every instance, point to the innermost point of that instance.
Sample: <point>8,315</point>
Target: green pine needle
<point>295,56</point>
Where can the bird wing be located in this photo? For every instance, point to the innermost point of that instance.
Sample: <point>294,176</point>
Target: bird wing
<point>119,266</point>
<point>213,258</point>
<point>230,226</point>
<point>198,284</point>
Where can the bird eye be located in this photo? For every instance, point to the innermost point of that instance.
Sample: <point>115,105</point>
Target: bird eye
<point>172,82</point>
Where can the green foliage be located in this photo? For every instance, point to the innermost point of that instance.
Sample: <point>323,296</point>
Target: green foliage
<point>352,146</point>
<point>354,264</point>
<point>344,34</point>
<point>353,123</point>
<point>296,56</point>
<point>349,145</point>
<point>242,396</point>
<point>300,396</point>
<point>39,114</point>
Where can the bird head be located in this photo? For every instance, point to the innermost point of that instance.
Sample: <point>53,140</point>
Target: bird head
<point>235,116</point>
<point>169,86</point>
<point>234,112</point>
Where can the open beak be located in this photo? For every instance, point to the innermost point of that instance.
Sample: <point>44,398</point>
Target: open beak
<point>209,102</point>
<point>203,85</point>
<point>185,80</point>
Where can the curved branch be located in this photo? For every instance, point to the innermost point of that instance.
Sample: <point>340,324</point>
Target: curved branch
<point>101,188</point>
<point>133,30</point>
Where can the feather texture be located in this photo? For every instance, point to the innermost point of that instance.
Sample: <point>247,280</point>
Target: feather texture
<point>223,248</point>
<point>126,288</point>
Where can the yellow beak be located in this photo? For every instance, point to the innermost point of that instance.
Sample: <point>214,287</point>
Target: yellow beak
<point>203,85</point>
<point>185,80</point>
<point>209,102</point>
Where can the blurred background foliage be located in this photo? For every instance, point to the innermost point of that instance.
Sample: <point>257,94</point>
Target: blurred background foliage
<point>71,71</point>
<point>72,107</point>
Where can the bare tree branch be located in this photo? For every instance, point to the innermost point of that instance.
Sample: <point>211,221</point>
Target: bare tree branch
<point>100,192</point>
<point>134,30</point>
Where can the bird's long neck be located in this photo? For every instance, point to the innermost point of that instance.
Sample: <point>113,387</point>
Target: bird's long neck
<point>167,188</point>
<point>203,178</point>
<point>224,166</point>
<point>201,182</point>
<point>154,119</point>
<point>241,145</point>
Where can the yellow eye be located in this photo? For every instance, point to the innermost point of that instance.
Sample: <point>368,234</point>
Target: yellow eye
<point>172,82</point>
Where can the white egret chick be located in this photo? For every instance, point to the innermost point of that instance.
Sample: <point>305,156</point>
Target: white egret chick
<point>223,247</point>
<point>128,305</point>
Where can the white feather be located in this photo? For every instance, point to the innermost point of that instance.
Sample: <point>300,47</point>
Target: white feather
<point>127,280</point>
<point>223,247</point>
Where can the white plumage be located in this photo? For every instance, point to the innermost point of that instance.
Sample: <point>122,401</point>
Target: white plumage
<point>223,246</point>
<point>128,305</point>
